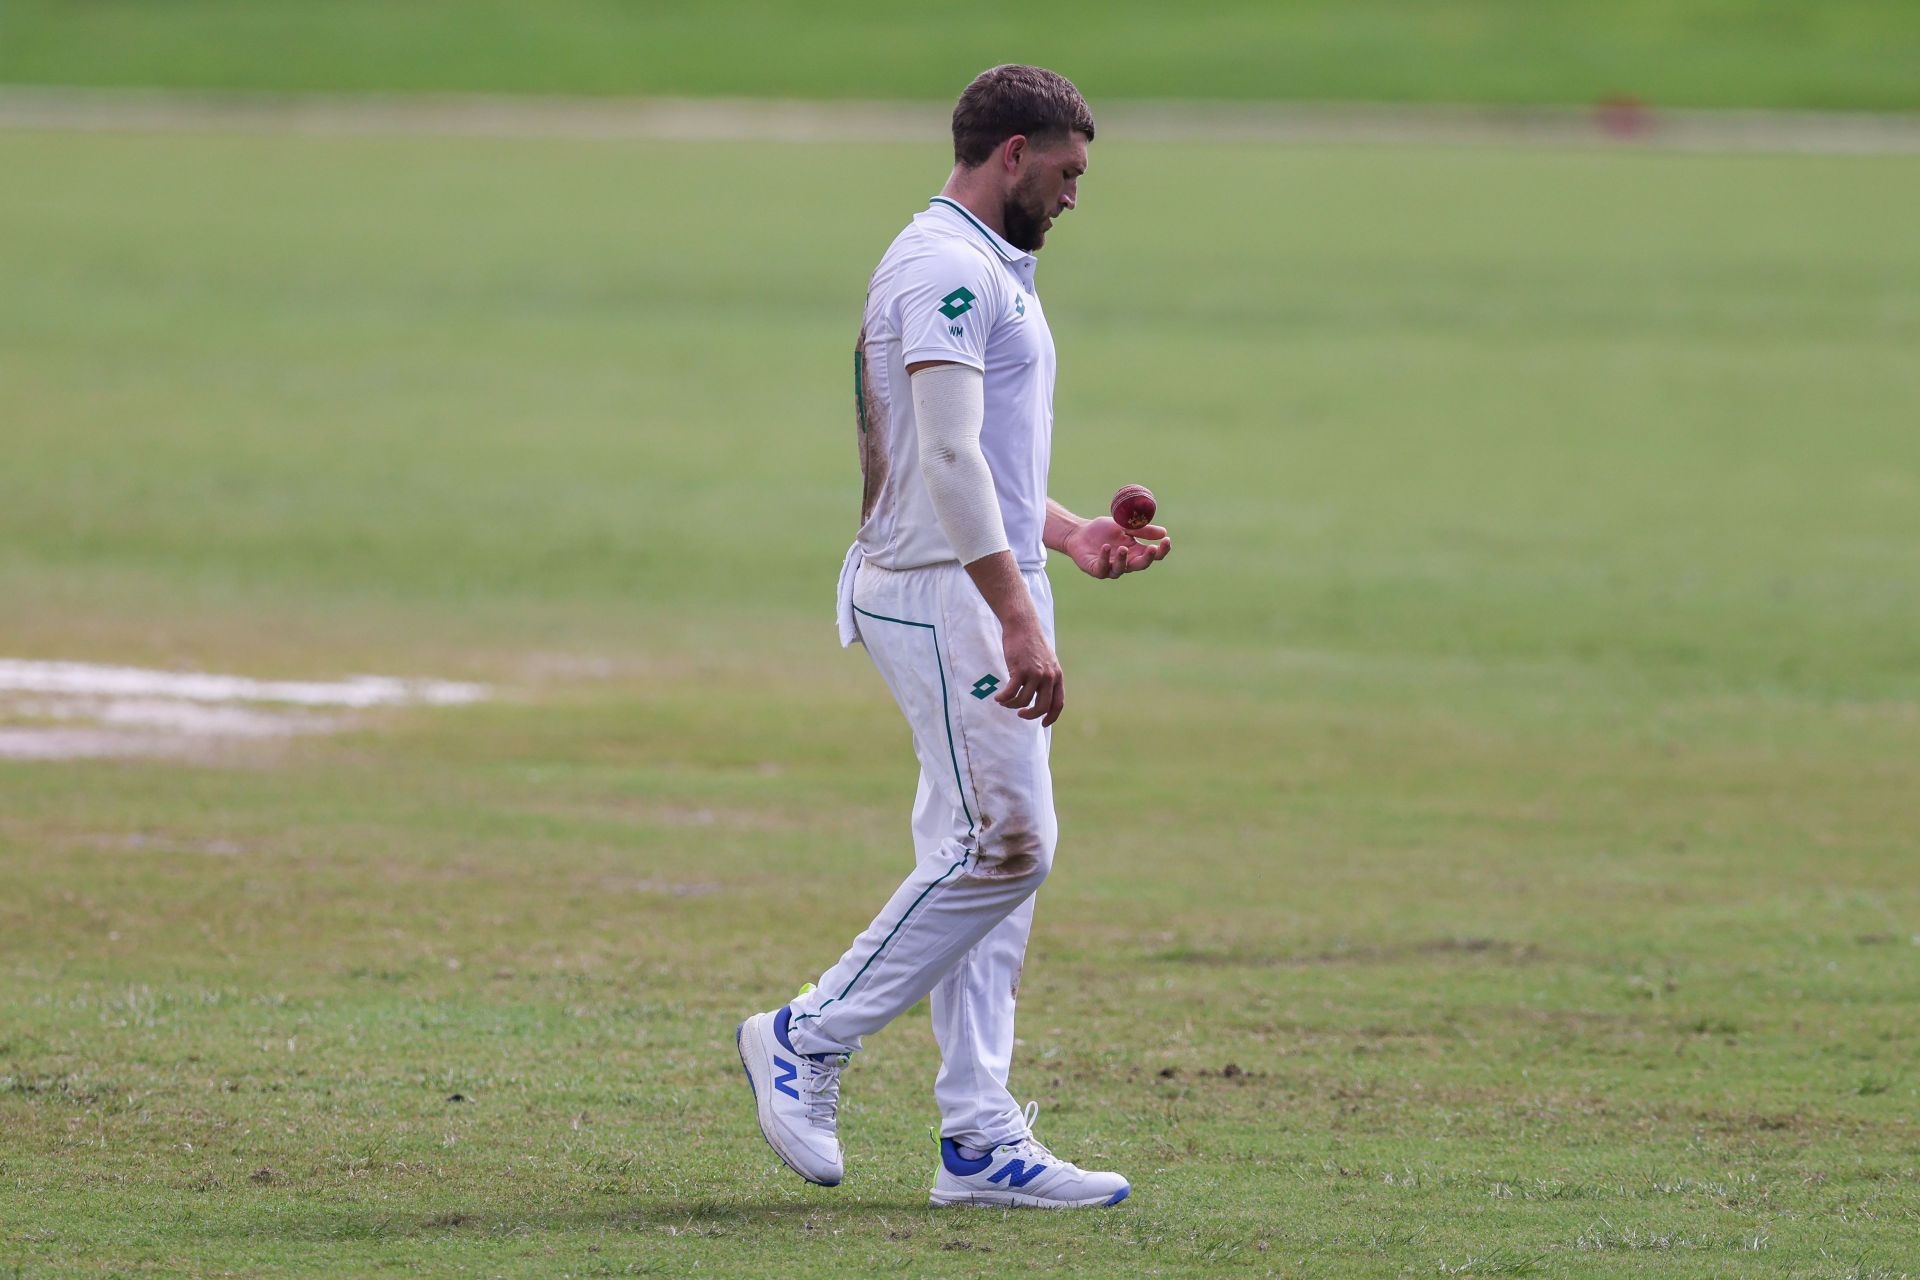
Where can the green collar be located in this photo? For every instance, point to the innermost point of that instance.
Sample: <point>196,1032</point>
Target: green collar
<point>999,243</point>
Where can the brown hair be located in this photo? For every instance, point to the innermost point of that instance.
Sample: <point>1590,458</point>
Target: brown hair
<point>1015,99</point>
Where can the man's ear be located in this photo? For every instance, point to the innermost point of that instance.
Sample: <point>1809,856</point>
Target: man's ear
<point>1011,151</point>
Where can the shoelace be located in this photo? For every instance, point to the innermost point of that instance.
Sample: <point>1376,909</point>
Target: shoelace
<point>821,1078</point>
<point>1031,1148</point>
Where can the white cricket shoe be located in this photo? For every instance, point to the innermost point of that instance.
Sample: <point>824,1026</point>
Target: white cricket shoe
<point>1022,1174</point>
<point>798,1097</point>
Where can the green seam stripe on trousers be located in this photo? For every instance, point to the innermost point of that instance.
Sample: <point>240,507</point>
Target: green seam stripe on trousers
<point>941,667</point>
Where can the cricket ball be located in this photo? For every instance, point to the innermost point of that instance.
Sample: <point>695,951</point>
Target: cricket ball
<point>1133,506</point>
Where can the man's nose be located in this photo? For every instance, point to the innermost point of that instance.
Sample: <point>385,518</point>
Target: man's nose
<point>1067,199</point>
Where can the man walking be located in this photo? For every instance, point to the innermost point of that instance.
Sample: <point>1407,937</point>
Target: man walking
<point>947,589</point>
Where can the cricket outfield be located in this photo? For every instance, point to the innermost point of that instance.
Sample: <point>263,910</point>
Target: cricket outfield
<point>1487,842</point>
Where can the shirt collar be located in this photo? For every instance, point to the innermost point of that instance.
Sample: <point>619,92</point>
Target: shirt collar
<point>999,244</point>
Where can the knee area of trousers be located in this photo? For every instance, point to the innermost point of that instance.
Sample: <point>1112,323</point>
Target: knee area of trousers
<point>1011,849</point>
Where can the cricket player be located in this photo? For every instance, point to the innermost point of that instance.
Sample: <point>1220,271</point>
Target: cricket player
<point>946,588</point>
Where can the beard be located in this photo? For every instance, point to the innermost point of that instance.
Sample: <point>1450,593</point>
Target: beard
<point>1025,220</point>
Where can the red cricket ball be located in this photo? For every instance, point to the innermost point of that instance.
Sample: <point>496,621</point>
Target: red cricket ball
<point>1133,506</point>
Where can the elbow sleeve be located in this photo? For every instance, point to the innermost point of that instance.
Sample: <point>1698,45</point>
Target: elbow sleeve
<point>949,406</point>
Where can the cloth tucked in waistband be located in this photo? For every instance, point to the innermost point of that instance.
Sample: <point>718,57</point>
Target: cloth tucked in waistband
<point>844,616</point>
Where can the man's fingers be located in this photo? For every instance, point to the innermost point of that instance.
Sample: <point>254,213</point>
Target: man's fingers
<point>1117,558</point>
<point>1058,704</point>
<point>1148,532</point>
<point>1153,550</point>
<point>1143,555</point>
<point>1043,687</point>
<point>1033,696</point>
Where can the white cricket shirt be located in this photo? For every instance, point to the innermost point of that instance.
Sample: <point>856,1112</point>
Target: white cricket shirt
<point>948,288</point>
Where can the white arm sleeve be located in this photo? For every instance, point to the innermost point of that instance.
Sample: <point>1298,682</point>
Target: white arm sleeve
<point>949,406</point>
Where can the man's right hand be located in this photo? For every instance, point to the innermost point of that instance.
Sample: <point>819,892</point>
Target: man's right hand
<point>1036,687</point>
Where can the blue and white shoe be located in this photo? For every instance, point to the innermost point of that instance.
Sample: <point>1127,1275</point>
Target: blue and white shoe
<point>1022,1174</point>
<point>798,1097</point>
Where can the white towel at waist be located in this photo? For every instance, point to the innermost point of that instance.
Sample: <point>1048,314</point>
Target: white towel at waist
<point>843,603</point>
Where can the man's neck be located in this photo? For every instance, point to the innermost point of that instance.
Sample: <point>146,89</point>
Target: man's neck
<point>976,202</point>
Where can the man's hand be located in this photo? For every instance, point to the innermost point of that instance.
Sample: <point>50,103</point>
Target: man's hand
<point>1103,549</point>
<point>1036,687</point>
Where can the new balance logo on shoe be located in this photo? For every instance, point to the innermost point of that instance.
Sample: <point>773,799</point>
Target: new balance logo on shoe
<point>1016,1173</point>
<point>796,1119</point>
<point>784,1083</point>
<point>1010,1176</point>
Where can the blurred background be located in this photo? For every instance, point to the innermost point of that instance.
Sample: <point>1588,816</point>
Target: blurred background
<point>1845,55</point>
<point>1521,740</point>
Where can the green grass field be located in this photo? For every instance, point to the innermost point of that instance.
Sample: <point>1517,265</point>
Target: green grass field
<point>1701,53</point>
<point>1487,841</point>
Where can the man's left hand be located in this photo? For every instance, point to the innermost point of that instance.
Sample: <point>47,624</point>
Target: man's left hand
<point>1103,549</point>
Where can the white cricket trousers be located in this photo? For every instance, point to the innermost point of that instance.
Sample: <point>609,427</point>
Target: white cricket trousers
<point>983,833</point>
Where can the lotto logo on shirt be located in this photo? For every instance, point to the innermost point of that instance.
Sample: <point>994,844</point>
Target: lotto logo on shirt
<point>956,304</point>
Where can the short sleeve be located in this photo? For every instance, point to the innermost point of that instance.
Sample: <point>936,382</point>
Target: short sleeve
<point>945,312</point>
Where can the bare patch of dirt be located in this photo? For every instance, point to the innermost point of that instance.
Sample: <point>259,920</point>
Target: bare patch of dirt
<point>51,710</point>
